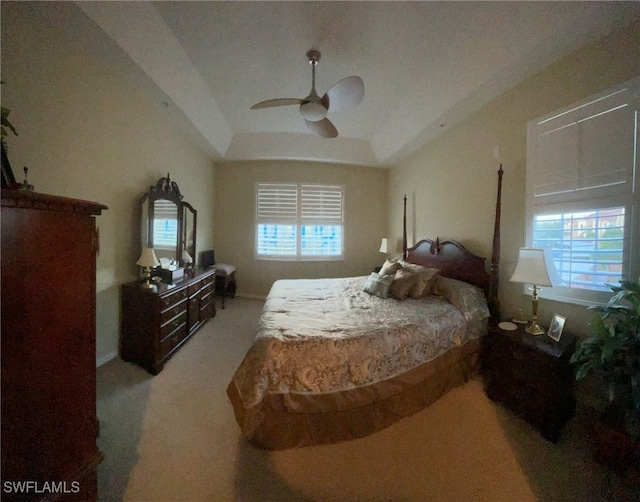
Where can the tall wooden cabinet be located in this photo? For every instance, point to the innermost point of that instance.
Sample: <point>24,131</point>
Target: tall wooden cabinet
<point>48,302</point>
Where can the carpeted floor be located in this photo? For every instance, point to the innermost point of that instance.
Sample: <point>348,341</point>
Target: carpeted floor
<point>173,437</point>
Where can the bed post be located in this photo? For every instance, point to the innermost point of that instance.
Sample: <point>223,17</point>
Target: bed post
<point>494,302</point>
<point>404,229</point>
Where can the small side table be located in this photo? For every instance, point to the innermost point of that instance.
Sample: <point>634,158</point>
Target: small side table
<point>532,376</point>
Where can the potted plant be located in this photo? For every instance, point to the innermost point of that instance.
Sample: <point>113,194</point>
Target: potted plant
<point>613,353</point>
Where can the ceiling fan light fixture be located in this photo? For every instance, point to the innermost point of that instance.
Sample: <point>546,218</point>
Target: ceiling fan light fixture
<point>346,93</point>
<point>313,111</point>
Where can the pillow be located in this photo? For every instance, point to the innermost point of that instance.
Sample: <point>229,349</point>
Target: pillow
<point>403,283</point>
<point>424,283</point>
<point>412,267</point>
<point>378,284</point>
<point>390,267</point>
<point>425,280</point>
<point>469,299</point>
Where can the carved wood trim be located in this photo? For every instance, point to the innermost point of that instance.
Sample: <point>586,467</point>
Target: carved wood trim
<point>33,200</point>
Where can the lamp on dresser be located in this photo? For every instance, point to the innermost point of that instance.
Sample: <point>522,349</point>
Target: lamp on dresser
<point>148,260</point>
<point>535,266</point>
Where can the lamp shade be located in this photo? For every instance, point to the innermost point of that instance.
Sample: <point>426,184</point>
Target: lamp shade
<point>186,257</point>
<point>384,245</point>
<point>148,258</point>
<point>535,266</point>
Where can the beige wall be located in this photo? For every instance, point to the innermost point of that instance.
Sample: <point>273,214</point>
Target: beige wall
<point>365,220</point>
<point>84,133</point>
<point>451,182</point>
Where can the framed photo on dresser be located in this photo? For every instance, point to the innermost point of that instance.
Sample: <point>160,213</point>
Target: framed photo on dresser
<point>556,327</point>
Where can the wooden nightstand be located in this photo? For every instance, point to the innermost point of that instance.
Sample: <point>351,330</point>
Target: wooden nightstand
<point>532,376</point>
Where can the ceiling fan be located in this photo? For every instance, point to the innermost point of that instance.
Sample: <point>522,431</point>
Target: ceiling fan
<point>346,93</point>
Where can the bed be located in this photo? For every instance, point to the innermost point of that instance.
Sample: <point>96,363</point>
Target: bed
<point>341,358</point>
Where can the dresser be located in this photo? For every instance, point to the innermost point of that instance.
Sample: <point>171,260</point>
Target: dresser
<point>49,424</point>
<point>157,323</point>
<point>532,376</point>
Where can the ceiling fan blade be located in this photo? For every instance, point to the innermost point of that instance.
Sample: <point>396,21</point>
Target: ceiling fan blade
<point>323,128</point>
<point>346,93</point>
<point>277,102</point>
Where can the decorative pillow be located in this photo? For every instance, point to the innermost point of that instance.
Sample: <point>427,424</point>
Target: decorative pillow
<point>411,267</point>
<point>390,267</point>
<point>469,299</point>
<point>378,284</point>
<point>425,282</point>
<point>403,282</point>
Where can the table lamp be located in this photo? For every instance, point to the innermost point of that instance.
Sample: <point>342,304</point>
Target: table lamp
<point>384,246</point>
<point>535,266</point>
<point>147,261</point>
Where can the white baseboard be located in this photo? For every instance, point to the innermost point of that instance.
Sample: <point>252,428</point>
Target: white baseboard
<point>105,359</point>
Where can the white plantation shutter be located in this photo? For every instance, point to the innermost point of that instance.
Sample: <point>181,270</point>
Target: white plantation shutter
<point>165,224</point>
<point>585,151</point>
<point>299,221</point>
<point>277,203</point>
<point>321,204</point>
<point>583,192</point>
<point>277,216</point>
<point>321,218</point>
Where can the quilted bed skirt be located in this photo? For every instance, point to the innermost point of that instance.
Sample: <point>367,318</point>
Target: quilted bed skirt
<point>282,421</point>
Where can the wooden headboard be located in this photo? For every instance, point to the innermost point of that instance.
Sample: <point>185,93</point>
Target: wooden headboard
<point>457,262</point>
<point>452,259</point>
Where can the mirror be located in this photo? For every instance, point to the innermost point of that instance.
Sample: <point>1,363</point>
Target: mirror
<point>168,224</point>
<point>189,220</point>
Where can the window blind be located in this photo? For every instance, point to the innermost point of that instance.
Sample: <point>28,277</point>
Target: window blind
<point>277,203</point>
<point>322,204</point>
<point>299,221</point>
<point>587,147</point>
<point>582,192</point>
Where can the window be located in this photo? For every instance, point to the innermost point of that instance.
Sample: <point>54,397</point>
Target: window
<point>582,193</point>
<point>165,224</point>
<point>299,222</point>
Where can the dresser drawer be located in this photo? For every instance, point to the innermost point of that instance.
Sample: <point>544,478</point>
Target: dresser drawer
<point>201,285</point>
<point>167,301</point>
<point>173,323</point>
<point>194,288</point>
<point>172,340</point>
<point>206,308</point>
<point>207,288</point>
<point>173,311</point>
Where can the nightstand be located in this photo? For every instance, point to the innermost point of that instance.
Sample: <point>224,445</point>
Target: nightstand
<point>532,376</point>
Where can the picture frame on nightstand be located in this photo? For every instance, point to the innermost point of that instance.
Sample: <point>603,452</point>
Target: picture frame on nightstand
<point>556,326</point>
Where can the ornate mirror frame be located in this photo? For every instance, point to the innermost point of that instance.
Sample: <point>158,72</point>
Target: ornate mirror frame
<point>159,199</point>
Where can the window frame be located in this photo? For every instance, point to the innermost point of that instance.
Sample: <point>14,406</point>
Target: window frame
<point>599,198</point>
<point>298,221</point>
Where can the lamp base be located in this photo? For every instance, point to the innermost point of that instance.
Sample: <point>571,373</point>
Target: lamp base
<point>534,329</point>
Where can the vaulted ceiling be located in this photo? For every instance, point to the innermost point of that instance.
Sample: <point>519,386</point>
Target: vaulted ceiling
<point>425,65</point>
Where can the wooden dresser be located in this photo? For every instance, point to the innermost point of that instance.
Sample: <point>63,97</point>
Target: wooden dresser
<point>156,323</point>
<point>532,376</point>
<point>49,424</point>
